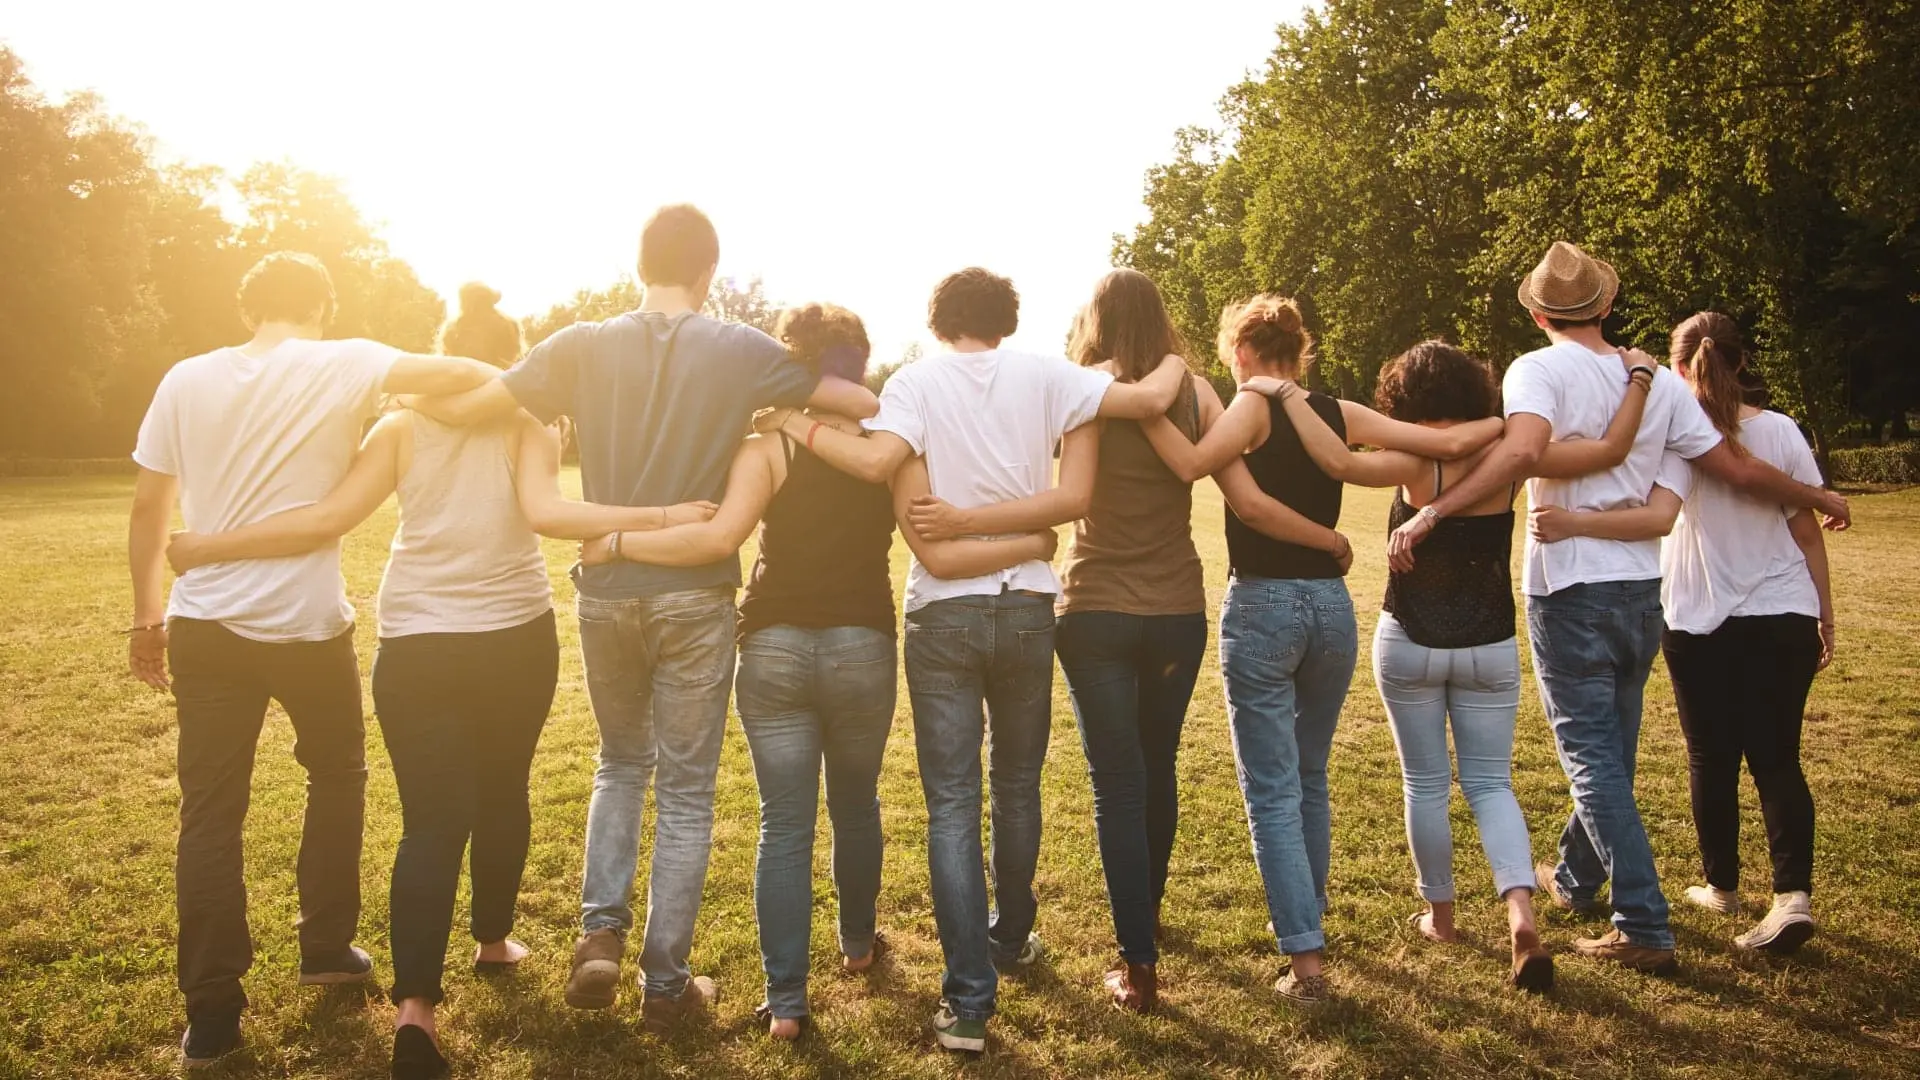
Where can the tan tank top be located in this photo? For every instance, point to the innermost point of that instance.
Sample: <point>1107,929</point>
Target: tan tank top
<point>1133,552</point>
<point>464,559</point>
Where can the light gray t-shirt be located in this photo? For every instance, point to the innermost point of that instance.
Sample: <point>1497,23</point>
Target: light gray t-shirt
<point>249,437</point>
<point>987,423</point>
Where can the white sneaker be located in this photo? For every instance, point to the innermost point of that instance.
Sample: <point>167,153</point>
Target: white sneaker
<point>1714,900</point>
<point>1786,927</point>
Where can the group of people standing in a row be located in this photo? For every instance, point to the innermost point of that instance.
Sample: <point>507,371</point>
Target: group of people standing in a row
<point>256,444</point>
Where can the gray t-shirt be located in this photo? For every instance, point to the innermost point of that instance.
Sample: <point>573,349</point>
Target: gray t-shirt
<point>661,403</point>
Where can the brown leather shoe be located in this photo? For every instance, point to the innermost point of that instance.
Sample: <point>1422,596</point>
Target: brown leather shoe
<point>660,1014</point>
<point>596,970</point>
<point>1532,965</point>
<point>1613,946</point>
<point>1134,987</point>
<point>1543,875</point>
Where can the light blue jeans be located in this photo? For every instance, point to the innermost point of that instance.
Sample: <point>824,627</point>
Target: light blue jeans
<point>1287,653</point>
<point>1593,647</point>
<point>980,668</point>
<point>659,670</point>
<point>808,697</point>
<point>1477,688</point>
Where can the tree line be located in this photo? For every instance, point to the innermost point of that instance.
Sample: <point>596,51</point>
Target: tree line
<point>1401,164</point>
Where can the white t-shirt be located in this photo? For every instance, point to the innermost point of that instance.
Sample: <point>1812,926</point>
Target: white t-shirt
<point>1578,391</point>
<point>1730,555</point>
<point>249,437</point>
<point>987,423</point>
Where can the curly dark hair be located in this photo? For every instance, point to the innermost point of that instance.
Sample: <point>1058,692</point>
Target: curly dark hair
<point>973,303</point>
<point>825,338</point>
<point>286,286</point>
<point>1436,381</point>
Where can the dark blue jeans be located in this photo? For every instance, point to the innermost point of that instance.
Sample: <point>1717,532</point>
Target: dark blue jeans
<point>980,668</point>
<point>1132,678</point>
<point>1593,647</point>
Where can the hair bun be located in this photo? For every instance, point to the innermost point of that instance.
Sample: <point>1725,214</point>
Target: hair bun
<point>476,297</point>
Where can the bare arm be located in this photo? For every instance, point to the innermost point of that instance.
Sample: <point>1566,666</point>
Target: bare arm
<point>1510,460</point>
<point>1242,425</point>
<point>1575,458</point>
<point>154,495</point>
<point>1813,544</point>
<point>1551,524</point>
<point>751,485</point>
<point>1272,518</point>
<point>1369,428</point>
<point>843,398</point>
<point>415,374</point>
<point>1383,468</point>
<point>1151,396</point>
<point>952,560</point>
<point>372,477</point>
<point>874,456</point>
<point>1759,480</point>
<point>487,402</point>
<point>1067,500</point>
<point>536,483</point>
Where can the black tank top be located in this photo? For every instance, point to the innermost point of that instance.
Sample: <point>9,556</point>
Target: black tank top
<point>1283,470</point>
<point>1460,591</point>
<point>825,545</point>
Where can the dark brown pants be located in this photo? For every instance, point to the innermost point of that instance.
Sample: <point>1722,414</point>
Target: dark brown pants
<point>222,684</point>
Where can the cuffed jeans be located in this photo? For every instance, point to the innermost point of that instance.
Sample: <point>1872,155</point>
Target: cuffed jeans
<point>1593,647</point>
<point>659,671</point>
<point>222,683</point>
<point>1131,677</point>
<point>1478,690</point>
<point>461,714</point>
<point>1742,693</point>
<point>963,654</point>
<point>808,697</point>
<point>1287,653</point>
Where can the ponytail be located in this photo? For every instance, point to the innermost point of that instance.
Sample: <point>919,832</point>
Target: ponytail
<point>1708,351</point>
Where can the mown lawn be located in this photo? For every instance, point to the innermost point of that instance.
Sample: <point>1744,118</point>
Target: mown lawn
<point>88,804</point>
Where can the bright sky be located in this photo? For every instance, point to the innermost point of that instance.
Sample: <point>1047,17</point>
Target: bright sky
<point>850,152</point>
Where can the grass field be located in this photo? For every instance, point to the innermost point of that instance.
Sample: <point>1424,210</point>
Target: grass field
<point>88,805</point>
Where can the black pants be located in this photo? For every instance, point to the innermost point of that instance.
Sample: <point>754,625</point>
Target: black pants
<point>222,683</point>
<point>461,714</point>
<point>1742,692</point>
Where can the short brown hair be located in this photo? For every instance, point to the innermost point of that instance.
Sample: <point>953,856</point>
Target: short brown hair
<point>677,246</point>
<point>973,303</point>
<point>1435,381</point>
<point>286,286</point>
<point>1272,327</point>
<point>825,338</point>
<point>1125,322</point>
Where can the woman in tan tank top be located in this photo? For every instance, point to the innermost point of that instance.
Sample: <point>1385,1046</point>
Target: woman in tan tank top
<point>468,655</point>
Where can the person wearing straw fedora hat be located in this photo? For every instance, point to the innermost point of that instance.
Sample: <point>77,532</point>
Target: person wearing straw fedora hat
<point>1593,604</point>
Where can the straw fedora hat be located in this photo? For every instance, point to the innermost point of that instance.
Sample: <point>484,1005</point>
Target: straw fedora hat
<point>1569,284</point>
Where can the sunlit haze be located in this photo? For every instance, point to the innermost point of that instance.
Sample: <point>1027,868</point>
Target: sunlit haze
<point>846,152</point>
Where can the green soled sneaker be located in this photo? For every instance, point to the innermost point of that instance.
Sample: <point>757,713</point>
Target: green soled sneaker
<point>954,1033</point>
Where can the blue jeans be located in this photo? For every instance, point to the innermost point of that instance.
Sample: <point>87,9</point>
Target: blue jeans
<point>659,670</point>
<point>1132,678</point>
<point>1287,653</point>
<point>1593,647</point>
<point>1478,689</point>
<point>961,654</point>
<point>806,696</point>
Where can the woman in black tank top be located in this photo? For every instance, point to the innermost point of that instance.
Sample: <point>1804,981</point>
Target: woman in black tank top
<point>815,686</point>
<point>1444,646</point>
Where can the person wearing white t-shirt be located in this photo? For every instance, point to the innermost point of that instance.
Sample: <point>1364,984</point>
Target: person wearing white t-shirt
<point>1593,605</point>
<point>235,436</point>
<point>1749,615</point>
<point>986,420</point>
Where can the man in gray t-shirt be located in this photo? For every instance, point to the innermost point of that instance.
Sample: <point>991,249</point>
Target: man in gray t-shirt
<point>662,397</point>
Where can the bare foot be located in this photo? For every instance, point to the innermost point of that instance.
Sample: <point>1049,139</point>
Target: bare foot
<point>506,953</point>
<point>784,1028</point>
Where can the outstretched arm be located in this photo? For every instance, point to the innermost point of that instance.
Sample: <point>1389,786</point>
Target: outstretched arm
<point>1813,544</point>
<point>1067,500</point>
<point>1508,461</point>
<point>488,401</point>
<point>873,456</point>
<point>537,485</point>
<point>154,495</point>
<point>751,484</point>
<point>372,477</point>
<point>1575,458</point>
<point>1551,524</point>
<point>952,560</point>
<point>1242,424</point>
<point>1759,480</point>
<point>843,397</point>
<point>416,374</point>
<point>1150,396</point>
<point>1382,468</point>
